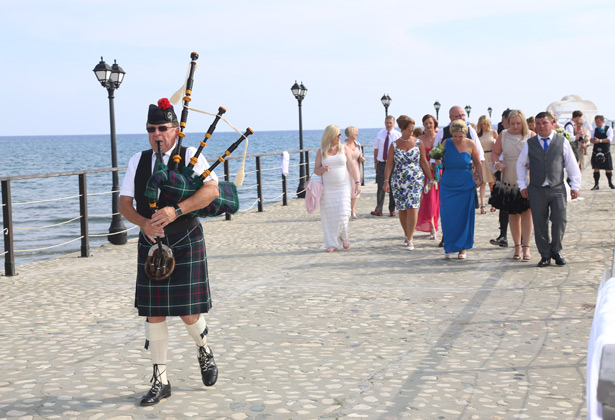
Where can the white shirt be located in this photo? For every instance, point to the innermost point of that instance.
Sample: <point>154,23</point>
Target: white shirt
<point>128,184</point>
<point>570,163</point>
<point>473,135</point>
<point>380,140</point>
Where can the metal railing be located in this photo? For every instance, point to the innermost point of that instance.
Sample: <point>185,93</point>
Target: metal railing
<point>262,177</point>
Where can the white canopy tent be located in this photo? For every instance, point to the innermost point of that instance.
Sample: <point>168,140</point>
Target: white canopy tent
<point>563,109</point>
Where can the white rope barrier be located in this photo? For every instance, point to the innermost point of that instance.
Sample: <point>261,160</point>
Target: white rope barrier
<point>46,201</point>
<point>274,198</point>
<point>111,234</point>
<point>253,204</point>
<point>48,226</point>
<point>102,215</point>
<point>5,231</point>
<point>4,253</point>
<point>245,187</point>
<point>103,193</point>
<point>272,182</point>
<point>49,247</point>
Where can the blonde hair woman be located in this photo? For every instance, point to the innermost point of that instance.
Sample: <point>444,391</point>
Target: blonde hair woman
<point>487,137</point>
<point>333,165</point>
<point>506,194</point>
<point>457,190</point>
<point>356,159</point>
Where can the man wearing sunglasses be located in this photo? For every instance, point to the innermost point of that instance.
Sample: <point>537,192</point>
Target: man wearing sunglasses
<point>186,292</point>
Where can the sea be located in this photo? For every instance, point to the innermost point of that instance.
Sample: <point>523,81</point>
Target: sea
<point>43,208</point>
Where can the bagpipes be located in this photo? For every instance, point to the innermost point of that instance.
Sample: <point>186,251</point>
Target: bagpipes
<point>177,183</point>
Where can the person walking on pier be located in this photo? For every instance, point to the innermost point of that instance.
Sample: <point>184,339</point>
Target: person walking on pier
<point>383,140</point>
<point>186,292</point>
<point>356,153</point>
<point>547,155</point>
<point>458,113</point>
<point>334,164</point>
<point>601,154</point>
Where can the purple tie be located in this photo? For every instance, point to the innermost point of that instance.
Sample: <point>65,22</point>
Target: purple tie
<point>385,154</point>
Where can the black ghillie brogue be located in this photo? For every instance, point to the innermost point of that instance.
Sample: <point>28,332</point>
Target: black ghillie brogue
<point>209,369</point>
<point>158,390</point>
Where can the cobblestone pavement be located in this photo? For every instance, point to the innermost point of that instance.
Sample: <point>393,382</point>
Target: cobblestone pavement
<point>373,332</point>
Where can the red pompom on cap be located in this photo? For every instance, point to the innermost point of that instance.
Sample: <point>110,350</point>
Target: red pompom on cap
<point>164,103</point>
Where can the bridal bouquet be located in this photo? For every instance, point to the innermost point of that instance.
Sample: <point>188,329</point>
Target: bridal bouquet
<point>437,153</point>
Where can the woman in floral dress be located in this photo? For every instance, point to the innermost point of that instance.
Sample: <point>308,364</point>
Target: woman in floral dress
<point>405,159</point>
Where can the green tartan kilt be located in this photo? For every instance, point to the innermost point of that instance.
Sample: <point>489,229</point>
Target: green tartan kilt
<point>186,291</point>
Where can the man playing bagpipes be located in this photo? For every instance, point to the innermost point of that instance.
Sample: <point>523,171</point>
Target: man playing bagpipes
<point>185,291</point>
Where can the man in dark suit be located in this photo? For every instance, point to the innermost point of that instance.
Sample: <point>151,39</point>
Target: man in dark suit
<point>547,155</point>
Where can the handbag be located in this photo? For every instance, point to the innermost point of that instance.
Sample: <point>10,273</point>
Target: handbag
<point>313,191</point>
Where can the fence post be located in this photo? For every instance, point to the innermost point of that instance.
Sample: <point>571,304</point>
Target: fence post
<point>307,165</point>
<point>362,168</point>
<point>284,192</point>
<point>7,217</point>
<point>227,177</point>
<point>259,184</point>
<point>83,212</point>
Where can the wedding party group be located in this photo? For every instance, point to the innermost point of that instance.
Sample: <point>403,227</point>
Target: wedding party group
<point>436,178</point>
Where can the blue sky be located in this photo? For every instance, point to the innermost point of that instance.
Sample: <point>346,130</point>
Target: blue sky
<point>348,54</point>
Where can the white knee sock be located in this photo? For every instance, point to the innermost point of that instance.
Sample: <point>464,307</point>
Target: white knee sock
<point>158,336</point>
<point>198,331</point>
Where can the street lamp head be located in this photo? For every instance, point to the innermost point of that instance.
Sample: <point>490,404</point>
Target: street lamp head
<point>386,100</point>
<point>489,110</point>
<point>437,105</point>
<point>303,90</point>
<point>299,91</point>
<point>102,72</point>
<point>468,109</point>
<point>117,74</point>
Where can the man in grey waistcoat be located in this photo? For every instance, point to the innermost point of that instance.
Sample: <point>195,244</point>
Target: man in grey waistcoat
<point>546,156</point>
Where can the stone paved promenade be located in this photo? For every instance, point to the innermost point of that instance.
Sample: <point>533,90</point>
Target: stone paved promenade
<point>374,332</point>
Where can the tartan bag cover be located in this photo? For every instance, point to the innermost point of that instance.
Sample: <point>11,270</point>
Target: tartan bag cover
<point>175,187</point>
<point>186,291</point>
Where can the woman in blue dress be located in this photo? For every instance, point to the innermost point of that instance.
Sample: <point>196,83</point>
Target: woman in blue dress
<point>457,190</point>
<point>407,167</point>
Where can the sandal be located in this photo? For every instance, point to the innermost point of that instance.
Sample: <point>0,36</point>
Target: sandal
<point>406,241</point>
<point>410,245</point>
<point>517,255</point>
<point>482,210</point>
<point>331,249</point>
<point>526,256</point>
<point>461,256</point>
<point>346,244</point>
<point>492,209</point>
<point>432,234</point>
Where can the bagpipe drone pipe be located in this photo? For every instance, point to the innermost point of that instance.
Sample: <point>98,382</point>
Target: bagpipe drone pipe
<point>177,184</point>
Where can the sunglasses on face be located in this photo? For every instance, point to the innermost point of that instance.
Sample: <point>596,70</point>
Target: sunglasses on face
<point>161,128</point>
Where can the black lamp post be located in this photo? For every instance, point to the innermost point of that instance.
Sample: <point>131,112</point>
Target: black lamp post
<point>489,110</point>
<point>300,91</point>
<point>437,106</point>
<point>110,77</point>
<point>468,108</point>
<point>386,101</point>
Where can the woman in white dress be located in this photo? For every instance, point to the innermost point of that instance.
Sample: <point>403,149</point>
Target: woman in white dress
<point>333,164</point>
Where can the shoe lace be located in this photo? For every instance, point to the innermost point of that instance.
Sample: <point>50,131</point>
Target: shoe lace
<point>157,375</point>
<point>204,358</point>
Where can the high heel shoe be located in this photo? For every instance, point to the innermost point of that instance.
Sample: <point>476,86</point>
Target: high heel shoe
<point>410,245</point>
<point>526,256</point>
<point>432,234</point>
<point>517,255</point>
<point>482,210</point>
